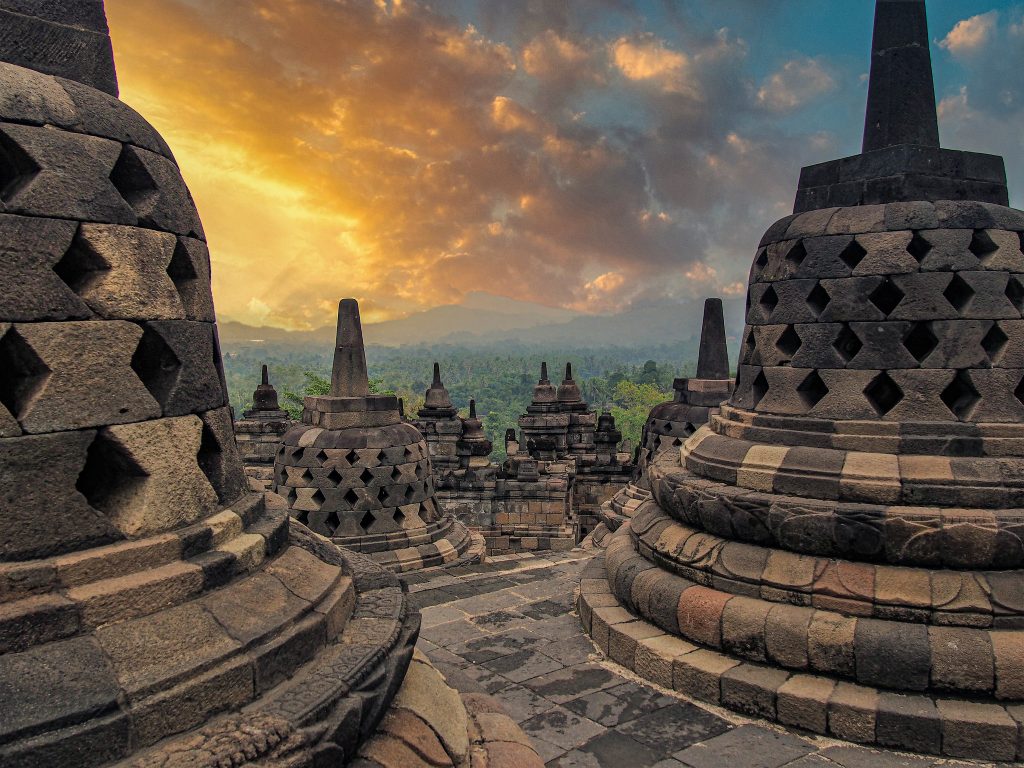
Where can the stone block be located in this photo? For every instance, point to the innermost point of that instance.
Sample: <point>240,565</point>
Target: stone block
<point>122,272</point>
<point>978,731</point>
<point>698,674</point>
<point>892,654</point>
<point>219,456</point>
<point>830,643</point>
<point>30,287</point>
<point>623,638</point>
<point>753,689</point>
<point>28,96</point>
<point>100,114</point>
<point>743,627</point>
<point>425,694</point>
<point>254,607</point>
<point>150,653</point>
<point>852,713</point>
<point>73,176</point>
<point>786,635</point>
<point>146,479</point>
<point>962,659</point>
<point>179,362</point>
<point>47,686</point>
<point>1009,661</point>
<point>136,594</point>
<point>803,702</point>
<point>44,512</point>
<point>65,372</point>
<point>908,722</point>
<point>700,615</point>
<point>655,656</point>
<point>153,186</point>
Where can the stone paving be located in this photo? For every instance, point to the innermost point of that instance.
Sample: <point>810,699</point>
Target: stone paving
<point>510,628</point>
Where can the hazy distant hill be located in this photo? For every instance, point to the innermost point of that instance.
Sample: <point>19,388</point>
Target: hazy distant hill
<point>482,319</point>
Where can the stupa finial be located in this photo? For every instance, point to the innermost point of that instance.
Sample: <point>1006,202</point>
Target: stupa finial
<point>472,409</point>
<point>901,94</point>
<point>265,379</point>
<point>544,372</point>
<point>713,360</point>
<point>349,377</point>
<point>437,375</point>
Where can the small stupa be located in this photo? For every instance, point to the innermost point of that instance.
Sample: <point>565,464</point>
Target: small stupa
<point>439,422</point>
<point>355,472</point>
<point>259,433</point>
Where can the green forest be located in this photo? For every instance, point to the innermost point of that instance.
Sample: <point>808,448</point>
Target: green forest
<point>626,381</point>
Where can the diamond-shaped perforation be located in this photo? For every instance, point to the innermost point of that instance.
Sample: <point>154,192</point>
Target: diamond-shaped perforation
<point>333,522</point>
<point>396,473</point>
<point>16,168</point>
<point>211,460</point>
<point>382,495</point>
<point>334,476</point>
<point>320,458</point>
<point>961,396</point>
<point>886,297</point>
<point>80,266</point>
<point>410,491</point>
<point>883,393</point>
<point>155,363</point>
<point>132,180</point>
<point>919,248</point>
<point>982,246</point>
<point>760,262</point>
<point>317,498</point>
<point>994,343</point>
<point>367,521</point>
<point>759,388</point>
<point>1015,293</point>
<point>797,254</point>
<point>111,476</point>
<point>366,476</point>
<point>181,270</point>
<point>351,497</point>
<point>853,254</point>
<point>1019,392</point>
<point>812,390</point>
<point>398,517</point>
<point>352,457</point>
<point>818,299</point>
<point>769,300</point>
<point>789,342</point>
<point>847,344</point>
<point>22,373</point>
<point>958,293</point>
<point>920,341</point>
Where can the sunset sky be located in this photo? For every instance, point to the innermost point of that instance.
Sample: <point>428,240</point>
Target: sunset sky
<point>586,154</point>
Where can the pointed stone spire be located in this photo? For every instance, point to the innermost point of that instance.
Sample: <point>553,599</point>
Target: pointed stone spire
<point>265,396</point>
<point>544,373</point>
<point>472,409</point>
<point>713,360</point>
<point>568,392</point>
<point>901,94</point>
<point>437,399</point>
<point>67,39</point>
<point>544,392</point>
<point>349,377</point>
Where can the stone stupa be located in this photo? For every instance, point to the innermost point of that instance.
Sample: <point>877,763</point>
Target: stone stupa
<point>841,548</point>
<point>355,472</point>
<point>153,611</point>
<point>259,432</point>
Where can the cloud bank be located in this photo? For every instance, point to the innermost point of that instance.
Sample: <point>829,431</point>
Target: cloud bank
<point>392,151</point>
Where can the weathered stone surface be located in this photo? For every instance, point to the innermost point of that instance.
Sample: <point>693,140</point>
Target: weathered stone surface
<point>65,372</point>
<point>44,513</point>
<point>147,479</point>
<point>30,288</point>
<point>152,185</point>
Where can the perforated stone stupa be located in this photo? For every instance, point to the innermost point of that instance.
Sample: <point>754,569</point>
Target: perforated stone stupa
<point>841,548</point>
<point>259,432</point>
<point>356,472</point>
<point>153,611</point>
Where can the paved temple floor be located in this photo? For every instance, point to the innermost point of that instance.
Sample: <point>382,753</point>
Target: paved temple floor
<point>510,628</point>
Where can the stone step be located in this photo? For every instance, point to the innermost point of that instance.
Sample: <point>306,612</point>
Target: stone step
<point>940,725</point>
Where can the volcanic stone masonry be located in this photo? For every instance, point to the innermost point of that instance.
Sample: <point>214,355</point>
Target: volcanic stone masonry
<point>355,472</point>
<point>259,433</point>
<point>841,548</point>
<point>154,613</point>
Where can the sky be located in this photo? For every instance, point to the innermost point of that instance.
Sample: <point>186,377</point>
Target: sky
<point>584,154</point>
